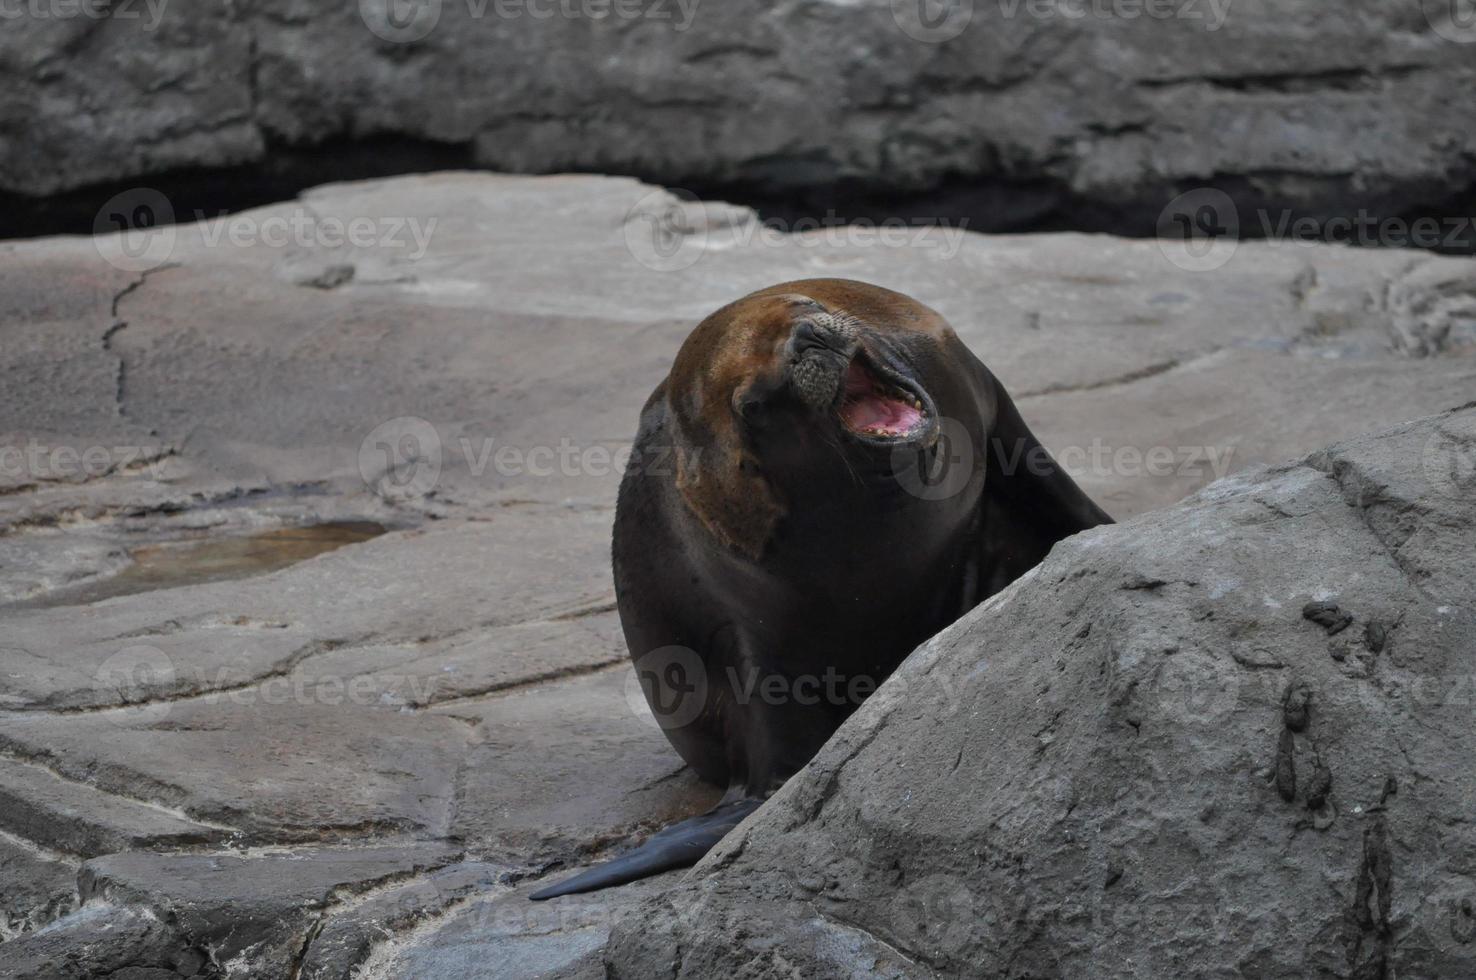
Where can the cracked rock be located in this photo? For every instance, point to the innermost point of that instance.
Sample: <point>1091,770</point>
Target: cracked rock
<point>254,912</point>
<point>35,887</point>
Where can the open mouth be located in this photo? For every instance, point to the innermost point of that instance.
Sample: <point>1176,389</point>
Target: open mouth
<point>878,408</point>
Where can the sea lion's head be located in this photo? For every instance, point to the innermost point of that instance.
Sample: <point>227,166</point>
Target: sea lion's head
<point>809,388</point>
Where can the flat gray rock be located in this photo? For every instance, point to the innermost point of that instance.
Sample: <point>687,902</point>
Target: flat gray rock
<point>546,770</point>
<point>505,935</point>
<point>74,818</point>
<point>1227,737</point>
<point>98,939</point>
<point>347,937</point>
<point>254,914</point>
<point>297,560</point>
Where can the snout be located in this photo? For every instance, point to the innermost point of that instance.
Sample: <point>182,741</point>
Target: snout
<point>820,347</point>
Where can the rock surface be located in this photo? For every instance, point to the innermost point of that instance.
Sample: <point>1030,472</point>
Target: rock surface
<point>1146,759</point>
<point>1035,108</point>
<point>307,566</point>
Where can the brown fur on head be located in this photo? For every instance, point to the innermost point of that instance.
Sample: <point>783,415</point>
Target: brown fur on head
<point>718,476</point>
<point>740,349</point>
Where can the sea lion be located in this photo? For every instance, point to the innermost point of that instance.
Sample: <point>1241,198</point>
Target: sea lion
<point>826,478</point>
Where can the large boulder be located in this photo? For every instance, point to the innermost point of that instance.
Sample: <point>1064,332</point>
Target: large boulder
<point>1037,110</point>
<point>1230,738</point>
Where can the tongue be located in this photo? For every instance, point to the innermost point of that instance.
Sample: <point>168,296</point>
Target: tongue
<point>877,412</point>
<point>867,409</point>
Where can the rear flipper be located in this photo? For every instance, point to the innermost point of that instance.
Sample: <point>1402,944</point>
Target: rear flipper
<point>679,846</point>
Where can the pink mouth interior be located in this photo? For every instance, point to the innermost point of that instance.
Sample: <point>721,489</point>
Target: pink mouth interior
<point>872,408</point>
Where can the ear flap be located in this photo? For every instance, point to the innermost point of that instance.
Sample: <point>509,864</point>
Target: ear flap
<point>723,486</point>
<point>1029,501</point>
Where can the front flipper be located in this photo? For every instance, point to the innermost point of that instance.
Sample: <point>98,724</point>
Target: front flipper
<point>679,846</point>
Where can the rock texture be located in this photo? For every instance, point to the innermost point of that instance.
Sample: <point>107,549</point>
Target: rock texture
<point>304,541</point>
<point>1153,756</point>
<point>1038,107</point>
